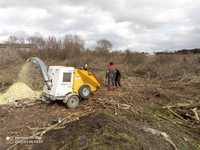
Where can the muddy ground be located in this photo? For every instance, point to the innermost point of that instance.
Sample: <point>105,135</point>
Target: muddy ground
<point>108,120</point>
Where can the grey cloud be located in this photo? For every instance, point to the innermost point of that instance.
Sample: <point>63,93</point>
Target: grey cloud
<point>153,24</point>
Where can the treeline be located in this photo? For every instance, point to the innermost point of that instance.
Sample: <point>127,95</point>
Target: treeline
<point>71,51</point>
<point>58,48</point>
<point>183,51</point>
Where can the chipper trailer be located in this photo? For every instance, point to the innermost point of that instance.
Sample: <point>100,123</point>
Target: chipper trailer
<point>67,84</point>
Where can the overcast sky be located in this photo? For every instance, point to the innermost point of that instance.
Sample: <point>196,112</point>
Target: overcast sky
<point>140,25</point>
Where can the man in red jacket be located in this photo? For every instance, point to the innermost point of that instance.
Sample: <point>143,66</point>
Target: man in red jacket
<point>111,75</point>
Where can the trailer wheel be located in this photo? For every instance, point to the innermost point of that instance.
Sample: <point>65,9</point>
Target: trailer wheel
<point>85,91</point>
<point>72,101</point>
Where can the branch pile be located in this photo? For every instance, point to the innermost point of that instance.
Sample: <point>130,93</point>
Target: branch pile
<point>188,115</point>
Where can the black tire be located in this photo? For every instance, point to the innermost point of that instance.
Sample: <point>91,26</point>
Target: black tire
<point>85,91</point>
<point>72,101</point>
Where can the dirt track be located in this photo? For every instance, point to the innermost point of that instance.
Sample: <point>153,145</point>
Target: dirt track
<point>104,122</point>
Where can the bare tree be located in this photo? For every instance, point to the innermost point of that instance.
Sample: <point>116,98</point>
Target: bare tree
<point>15,39</point>
<point>38,41</point>
<point>73,45</point>
<point>104,45</point>
<point>52,43</point>
<point>12,39</point>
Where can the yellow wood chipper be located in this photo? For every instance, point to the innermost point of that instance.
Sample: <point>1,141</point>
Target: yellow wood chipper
<point>68,84</point>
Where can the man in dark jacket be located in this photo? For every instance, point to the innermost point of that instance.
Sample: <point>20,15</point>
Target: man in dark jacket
<point>118,78</point>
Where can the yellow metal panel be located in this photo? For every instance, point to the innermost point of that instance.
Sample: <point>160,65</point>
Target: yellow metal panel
<point>83,77</point>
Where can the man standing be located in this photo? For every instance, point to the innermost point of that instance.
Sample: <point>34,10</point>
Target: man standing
<point>118,78</point>
<point>111,75</point>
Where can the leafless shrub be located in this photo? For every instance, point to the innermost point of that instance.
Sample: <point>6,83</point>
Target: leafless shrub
<point>168,67</point>
<point>134,58</point>
<point>9,56</point>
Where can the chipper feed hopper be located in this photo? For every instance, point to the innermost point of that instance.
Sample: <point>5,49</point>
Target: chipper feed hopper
<point>68,84</point>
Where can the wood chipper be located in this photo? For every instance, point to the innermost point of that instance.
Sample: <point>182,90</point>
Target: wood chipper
<point>68,84</point>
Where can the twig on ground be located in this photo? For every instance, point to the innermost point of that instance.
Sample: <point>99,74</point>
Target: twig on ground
<point>196,114</point>
<point>175,114</point>
<point>185,106</point>
<point>160,133</point>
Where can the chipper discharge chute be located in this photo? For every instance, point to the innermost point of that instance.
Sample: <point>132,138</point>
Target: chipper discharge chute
<point>68,84</point>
